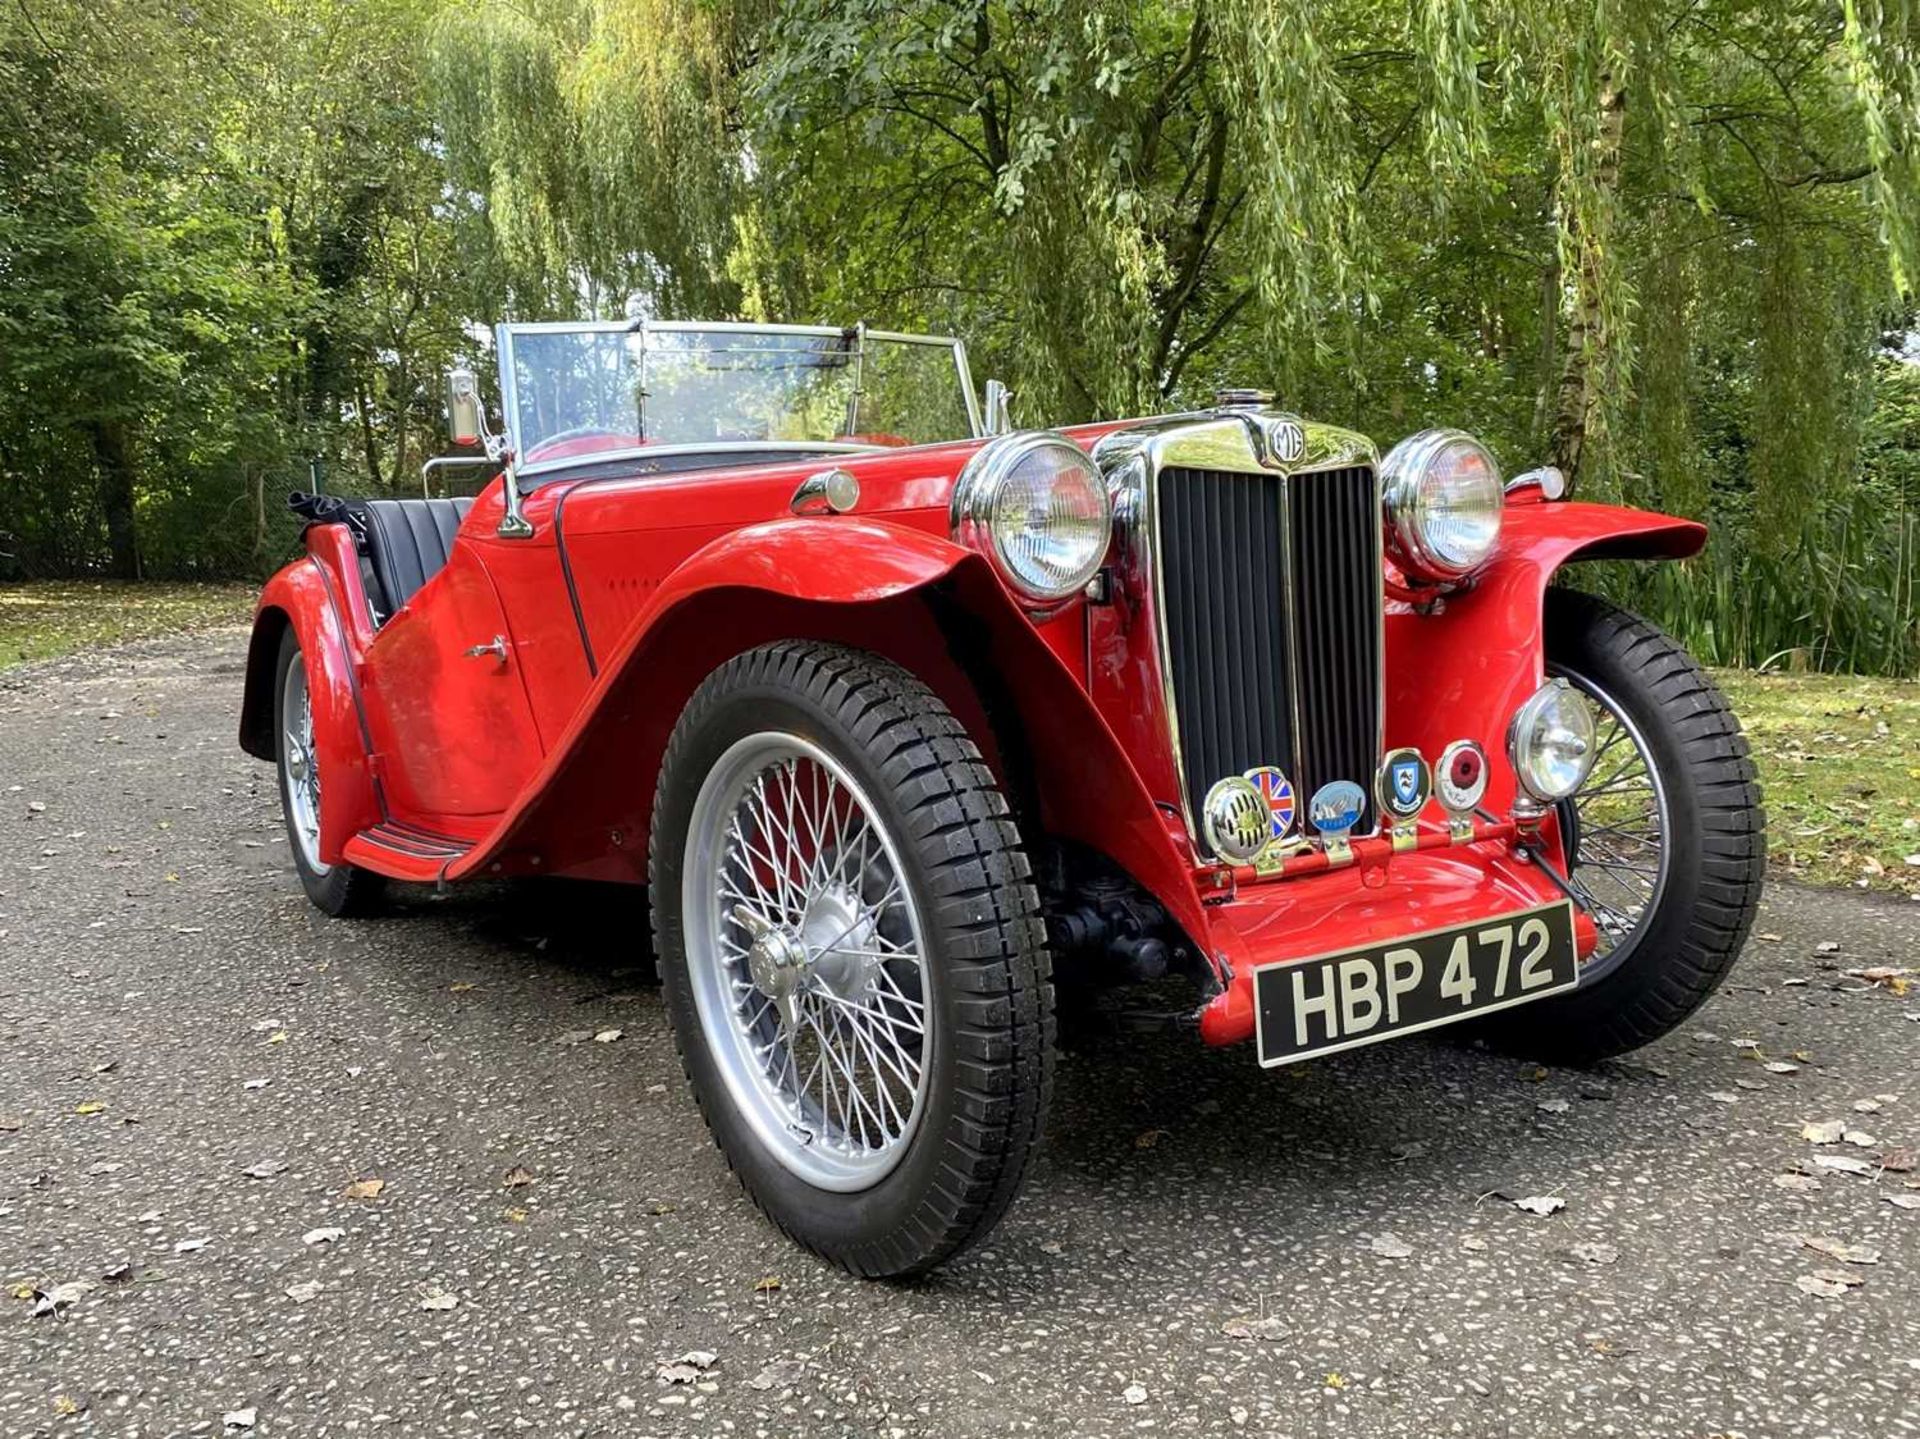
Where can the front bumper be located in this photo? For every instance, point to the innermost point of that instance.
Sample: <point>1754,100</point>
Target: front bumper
<point>1381,897</point>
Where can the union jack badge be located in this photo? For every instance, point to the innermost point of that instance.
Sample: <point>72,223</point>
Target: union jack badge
<point>1278,793</point>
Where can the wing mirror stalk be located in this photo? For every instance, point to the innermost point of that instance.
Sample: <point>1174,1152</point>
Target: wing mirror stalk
<point>467,425</point>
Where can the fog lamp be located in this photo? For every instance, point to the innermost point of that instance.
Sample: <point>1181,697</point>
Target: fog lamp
<point>1551,742</point>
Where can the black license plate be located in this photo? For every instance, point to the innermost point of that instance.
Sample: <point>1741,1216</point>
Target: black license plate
<point>1362,996</point>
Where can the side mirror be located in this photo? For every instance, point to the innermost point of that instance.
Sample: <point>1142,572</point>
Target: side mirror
<point>999,415</point>
<point>465,425</point>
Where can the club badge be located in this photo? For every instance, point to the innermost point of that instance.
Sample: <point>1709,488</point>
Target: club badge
<point>1334,810</point>
<point>1403,787</point>
<point>1460,783</point>
<point>1278,793</point>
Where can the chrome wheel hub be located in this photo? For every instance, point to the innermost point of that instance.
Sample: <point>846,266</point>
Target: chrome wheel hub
<point>806,959</point>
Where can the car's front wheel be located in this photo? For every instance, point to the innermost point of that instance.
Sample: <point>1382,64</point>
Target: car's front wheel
<point>1665,841</point>
<point>852,954</point>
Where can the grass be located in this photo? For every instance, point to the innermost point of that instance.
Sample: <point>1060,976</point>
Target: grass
<point>1839,757</point>
<point>44,620</point>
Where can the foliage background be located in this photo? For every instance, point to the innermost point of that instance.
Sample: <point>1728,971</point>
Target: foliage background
<point>1668,244</point>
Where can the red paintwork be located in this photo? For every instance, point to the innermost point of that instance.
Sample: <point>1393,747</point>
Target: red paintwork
<point>548,763</point>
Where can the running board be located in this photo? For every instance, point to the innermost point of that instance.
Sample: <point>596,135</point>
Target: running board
<point>400,851</point>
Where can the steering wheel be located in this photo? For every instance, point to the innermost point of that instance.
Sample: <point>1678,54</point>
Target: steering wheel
<point>580,432</point>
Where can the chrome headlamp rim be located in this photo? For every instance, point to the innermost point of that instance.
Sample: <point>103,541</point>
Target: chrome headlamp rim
<point>970,513</point>
<point>1520,733</point>
<point>1403,472</point>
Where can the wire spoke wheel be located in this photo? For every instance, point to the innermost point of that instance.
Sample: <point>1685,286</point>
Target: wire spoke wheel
<point>301,766</point>
<point>1615,828</point>
<point>807,957</point>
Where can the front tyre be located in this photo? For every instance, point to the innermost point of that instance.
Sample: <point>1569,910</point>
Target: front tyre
<point>1666,840</point>
<point>339,889</point>
<point>852,955</point>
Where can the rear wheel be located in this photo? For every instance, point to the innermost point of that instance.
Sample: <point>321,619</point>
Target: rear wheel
<point>1666,840</point>
<point>852,955</point>
<point>339,889</point>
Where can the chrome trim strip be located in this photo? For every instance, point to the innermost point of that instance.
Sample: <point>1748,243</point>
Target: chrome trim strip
<point>1233,441</point>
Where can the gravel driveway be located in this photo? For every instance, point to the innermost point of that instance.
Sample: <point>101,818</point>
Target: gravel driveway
<point>198,1074</point>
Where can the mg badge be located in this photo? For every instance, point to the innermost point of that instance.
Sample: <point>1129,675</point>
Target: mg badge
<point>1460,783</point>
<point>1278,793</point>
<point>1289,441</point>
<point>1403,787</point>
<point>1334,810</point>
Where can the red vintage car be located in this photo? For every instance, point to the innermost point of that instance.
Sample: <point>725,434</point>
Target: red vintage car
<point>911,723</point>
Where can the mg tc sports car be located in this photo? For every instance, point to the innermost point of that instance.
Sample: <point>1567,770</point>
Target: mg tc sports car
<point>912,723</point>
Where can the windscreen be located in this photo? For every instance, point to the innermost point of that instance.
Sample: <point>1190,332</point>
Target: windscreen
<point>590,389</point>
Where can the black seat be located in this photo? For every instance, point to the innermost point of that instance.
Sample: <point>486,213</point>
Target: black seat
<point>407,543</point>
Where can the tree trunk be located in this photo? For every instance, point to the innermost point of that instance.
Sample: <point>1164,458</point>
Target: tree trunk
<point>257,494</point>
<point>367,440</point>
<point>116,497</point>
<point>1584,361</point>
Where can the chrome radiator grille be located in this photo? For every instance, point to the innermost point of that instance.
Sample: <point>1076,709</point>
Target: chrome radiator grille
<point>1271,598</point>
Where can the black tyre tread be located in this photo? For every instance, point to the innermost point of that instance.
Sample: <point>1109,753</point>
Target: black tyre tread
<point>986,904</point>
<point>1640,1002</point>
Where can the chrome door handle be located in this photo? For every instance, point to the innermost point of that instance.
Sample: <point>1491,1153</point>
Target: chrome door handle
<point>498,649</point>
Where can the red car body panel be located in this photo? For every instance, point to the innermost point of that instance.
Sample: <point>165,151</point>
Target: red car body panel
<point>442,764</point>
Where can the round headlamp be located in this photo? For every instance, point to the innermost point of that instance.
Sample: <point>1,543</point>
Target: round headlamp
<point>1444,500</point>
<point>1551,742</point>
<point>1036,506</point>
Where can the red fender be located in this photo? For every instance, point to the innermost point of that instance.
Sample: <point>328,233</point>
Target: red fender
<point>307,596</point>
<point>856,581</point>
<point>1463,670</point>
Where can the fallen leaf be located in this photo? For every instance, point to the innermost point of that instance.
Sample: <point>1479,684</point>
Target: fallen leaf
<point>1815,1285</point>
<point>265,1169</point>
<point>1840,1276</point>
<point>514,1214</point>
<point>1827,946</point>
<point>303,1291</point>
<point>777,1375</point>
<point>364,1189</point>
<point>1780,1066</point>
<point>119,1274</point>
<point>279,1036</point>
<point>1474,1242</point>
<point>1541,1204</point>
<point>767,1285</point>
<point>1860,1139</point>
<point>1866,1106</point>
<point>1845,1163</point>
<point>1827,1131</point>
<point>1903,1201</point>
<point>1150,1138</point>
<point>1799,1183</point>
<point>518,1177</point>
<point>330,1234</point>
<point>687,1368</point>
<point>1134,1394</point>
<point>439,1299</point>
<point>1900,1161</point>
<point>1554,1106</point>
<point>461,986</point>
<point>65,1406</point>
<point>1390,1246</point>
<point>1721,1096</point>
<point>9,1123</point>
<point>256,1084</point>
<point>103,1166</point>
<point>238,1418</point>
<point>1335,1380</point>
<point>89,1106</point>
<point>1259,1330</point>
<point>607,1036</point>
<point>1844,1252</point>
<point>188,1246</point>
<point>1595,1253</point>
<point>574,1036</point>
<point>59,1299</point>
<point>1769,936</point>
